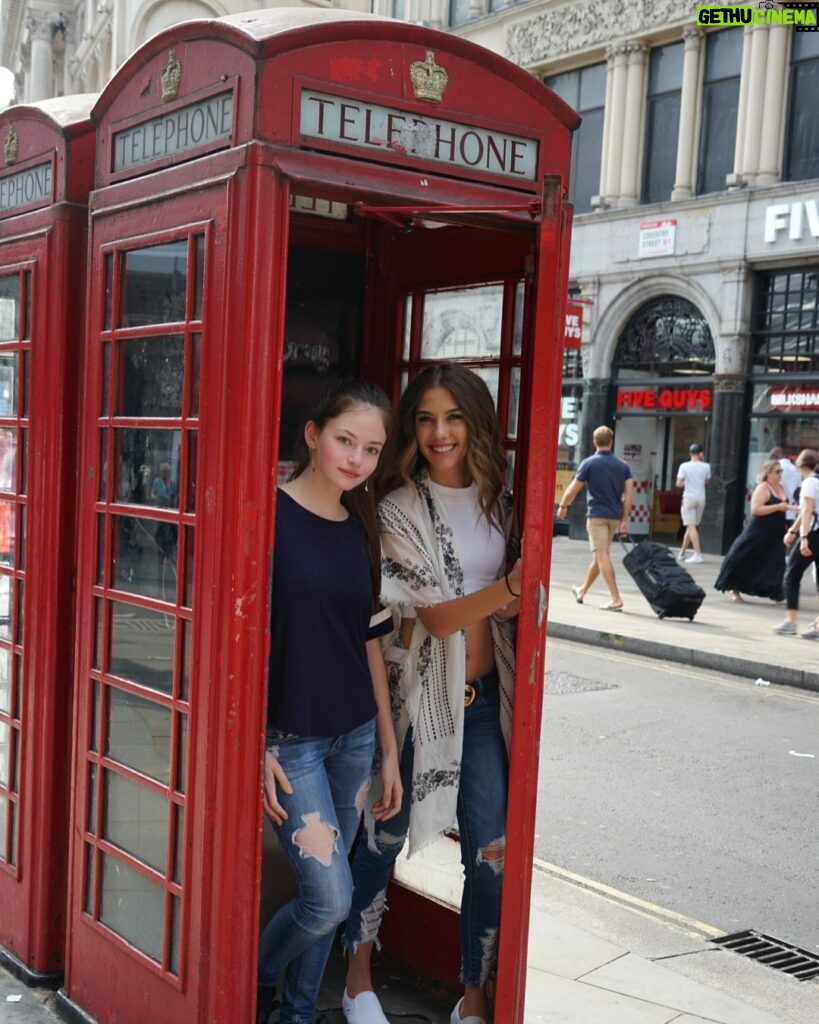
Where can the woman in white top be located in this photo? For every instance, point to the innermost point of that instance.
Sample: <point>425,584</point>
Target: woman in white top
<point>805,537</point>
<point>450,561</point>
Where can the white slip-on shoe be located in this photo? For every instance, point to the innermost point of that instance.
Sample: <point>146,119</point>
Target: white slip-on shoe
<point>456,1017</point>
<point>363,1009</point>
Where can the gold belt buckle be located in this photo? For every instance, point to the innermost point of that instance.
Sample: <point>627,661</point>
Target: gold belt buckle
<point>469,694</point>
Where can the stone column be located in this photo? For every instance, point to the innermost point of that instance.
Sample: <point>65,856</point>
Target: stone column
<point>726,491</point>
<point>70,48</point>
<point>617,57</point>
<point>735,179</point>
<point>600,201</point>
<point>42,69</point>
<point>685,185</point>
<point>749,167</point>
<point>594,414</point>
<point>776,78</point>
<point>632,125</point>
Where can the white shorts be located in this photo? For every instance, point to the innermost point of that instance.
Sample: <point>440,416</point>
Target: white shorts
<point>691,511</point>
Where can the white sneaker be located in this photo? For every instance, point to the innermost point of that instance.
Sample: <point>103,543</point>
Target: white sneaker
<point>456,1017</point>
<point>680,556</point>
<point>364,1009</point>
<point>695,558</point>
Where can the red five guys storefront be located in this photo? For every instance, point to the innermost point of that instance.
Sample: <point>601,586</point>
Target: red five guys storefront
<point>279,198</point>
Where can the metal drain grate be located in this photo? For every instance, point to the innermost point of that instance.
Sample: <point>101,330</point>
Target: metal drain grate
<point>782,956</point>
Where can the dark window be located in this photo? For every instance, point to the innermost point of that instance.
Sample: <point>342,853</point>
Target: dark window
<point>458,12</point>
<point>662,122</point>
<point>572,363</point>
<point>720,101</point>
<point>802,156</point>
<point>786,322</point>
<point>666,337</point>
<point>585,91</point>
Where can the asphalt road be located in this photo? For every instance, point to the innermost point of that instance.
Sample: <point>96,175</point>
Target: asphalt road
<point>692,790</point>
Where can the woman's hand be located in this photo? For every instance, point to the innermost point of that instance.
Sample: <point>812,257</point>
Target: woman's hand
<point>392,791</point>
<point>513,577</point>
<point>508,611</point>
<point>274,775</point>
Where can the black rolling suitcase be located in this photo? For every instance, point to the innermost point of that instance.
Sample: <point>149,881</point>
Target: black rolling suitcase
<point>669,588</point>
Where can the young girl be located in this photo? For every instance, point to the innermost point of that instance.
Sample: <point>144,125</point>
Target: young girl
<point>446,536</point>
<point>327,690</point>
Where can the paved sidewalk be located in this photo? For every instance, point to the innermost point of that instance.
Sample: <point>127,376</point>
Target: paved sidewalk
<point>22,1005</point>
<point>592,960</point>
<point>588,959</point>
<point>729,637</point>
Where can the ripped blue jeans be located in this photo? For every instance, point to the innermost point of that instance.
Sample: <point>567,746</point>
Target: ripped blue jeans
<point>330,777</point>
<point>482,800</point>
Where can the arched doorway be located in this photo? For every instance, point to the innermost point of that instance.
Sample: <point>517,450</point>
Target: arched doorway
<point>662,396</point>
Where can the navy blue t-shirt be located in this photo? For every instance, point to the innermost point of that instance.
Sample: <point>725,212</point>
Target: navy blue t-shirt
<point>604,475</point>
<point>319,681</point>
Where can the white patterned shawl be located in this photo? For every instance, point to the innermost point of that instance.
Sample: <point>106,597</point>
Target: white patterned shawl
<point>419,567</point>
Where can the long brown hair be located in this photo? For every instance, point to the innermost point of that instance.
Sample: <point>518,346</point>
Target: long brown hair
<point>360,501</point>
<point>485,454</point>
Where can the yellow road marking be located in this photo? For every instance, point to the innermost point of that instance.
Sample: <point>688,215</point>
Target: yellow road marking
<point>647,909</point>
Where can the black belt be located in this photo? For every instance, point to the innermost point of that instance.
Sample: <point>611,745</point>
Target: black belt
<point>481,686</point>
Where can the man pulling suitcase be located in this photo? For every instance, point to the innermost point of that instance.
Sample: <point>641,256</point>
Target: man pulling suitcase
<point>611,492</point>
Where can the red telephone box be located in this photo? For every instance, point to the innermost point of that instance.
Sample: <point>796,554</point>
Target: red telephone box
<point>44,183</point>
<point>280,197</point>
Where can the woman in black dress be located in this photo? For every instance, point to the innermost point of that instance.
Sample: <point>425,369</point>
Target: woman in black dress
<point>755,562</point>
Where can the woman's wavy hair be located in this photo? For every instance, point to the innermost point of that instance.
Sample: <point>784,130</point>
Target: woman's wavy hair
<point>360,501</point>
<point>485,454</point>
<point>767,466</point>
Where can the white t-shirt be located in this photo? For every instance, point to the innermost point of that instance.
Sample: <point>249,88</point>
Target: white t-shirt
<point>791,478</point>
<point>481,548</point>
<point>810,489</point>
<point>696,475</point>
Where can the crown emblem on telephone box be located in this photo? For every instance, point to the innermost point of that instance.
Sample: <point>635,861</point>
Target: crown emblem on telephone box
<point>429,80</point>
<point>10,146</point>
<point>169,78</point>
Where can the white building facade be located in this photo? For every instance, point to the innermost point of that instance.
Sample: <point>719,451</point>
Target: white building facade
<point>695,248</point>
<point>58,48</point>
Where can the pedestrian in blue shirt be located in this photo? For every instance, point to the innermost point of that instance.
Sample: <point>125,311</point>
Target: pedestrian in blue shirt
<point>610,488</point>
<point>328,698</point>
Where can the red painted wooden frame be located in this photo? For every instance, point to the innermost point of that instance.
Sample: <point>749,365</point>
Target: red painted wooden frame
<point>43,240</point>
<point>241,191</point>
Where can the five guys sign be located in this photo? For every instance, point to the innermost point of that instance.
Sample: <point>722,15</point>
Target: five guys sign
<point>663,399</point>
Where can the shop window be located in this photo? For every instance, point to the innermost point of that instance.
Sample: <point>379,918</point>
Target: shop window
<point>585,91</point>
<point>398,9</point>
<point>667,337</point>
<point>802,131</point>
<point>786,322</point>
<point>662,122</point>
<point>720,102</point>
